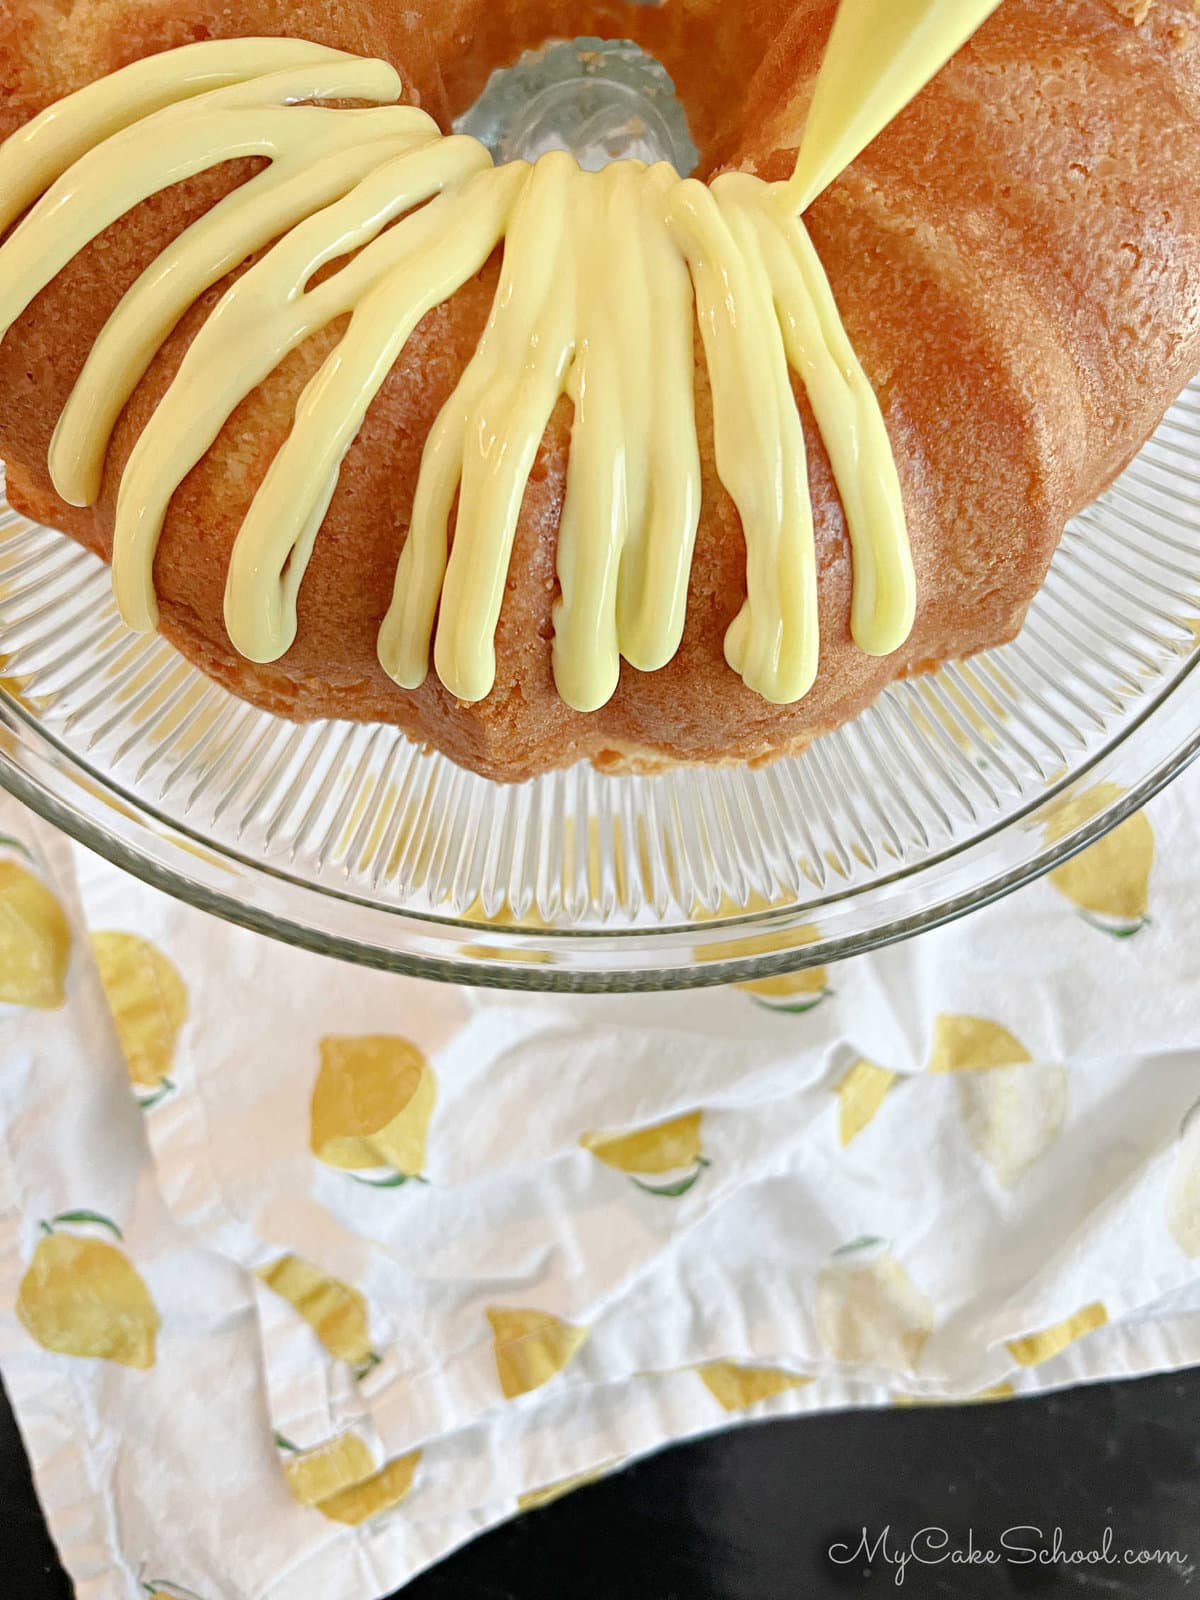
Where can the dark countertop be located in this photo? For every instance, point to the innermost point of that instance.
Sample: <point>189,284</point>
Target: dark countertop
<point>751,1515</point>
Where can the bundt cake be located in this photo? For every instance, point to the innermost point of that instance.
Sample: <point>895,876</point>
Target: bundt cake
<point>1015,275</point>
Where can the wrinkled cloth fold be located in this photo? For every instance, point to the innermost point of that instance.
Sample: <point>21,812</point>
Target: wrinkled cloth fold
<point>311,1274</point>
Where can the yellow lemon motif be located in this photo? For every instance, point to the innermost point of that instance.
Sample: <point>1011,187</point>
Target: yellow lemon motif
<point>735,1387</point>
<point>336,1313</point>
<point>1110,881</point>
<point>35,941</point>
<point>873,1314</point>
<point>1013,1115</point>
<point>860,1094</point>
<point>531,1347</point>
<point>537,1498</point>
<point>371,1498</point>
<point>806,989</point>
<point>1013,1110</point>
<point>972,1044</point>
<point>371,1106</point>
<point>1183,1201</point>
<point>81,1296</point>
<point>316,1475</point>
<point>1035,1348</point>
<point>149,1004</point>
<point>999,1391</point>
<point>652,1152</point>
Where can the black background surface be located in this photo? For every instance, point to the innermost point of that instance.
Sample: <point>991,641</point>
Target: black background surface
<point>751,1515</point>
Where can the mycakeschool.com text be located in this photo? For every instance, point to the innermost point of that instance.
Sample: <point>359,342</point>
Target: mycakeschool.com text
<point>902,1554</point>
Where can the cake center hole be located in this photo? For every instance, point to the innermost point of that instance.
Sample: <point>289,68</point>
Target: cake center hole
<point>601,100</point>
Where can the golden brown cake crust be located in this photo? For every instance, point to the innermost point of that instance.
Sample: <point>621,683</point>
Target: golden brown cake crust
<point>1017,260</point>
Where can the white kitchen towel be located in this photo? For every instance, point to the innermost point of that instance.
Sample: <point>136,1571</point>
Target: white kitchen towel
<point>363,1265</point>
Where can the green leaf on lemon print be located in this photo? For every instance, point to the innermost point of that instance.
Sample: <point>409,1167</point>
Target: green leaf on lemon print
<point>674,1191</point>
<point>81,1217</point>
<point>371,1108</point>
<point>164,1091</point>
<point>164,1589</point>
<point>665,1148</point>
<point>865,1241</point>
<point>1109,882</point>
<point>7,842</point>
<point>81,1296</point>
<point>802,1007</point>
<point>397,1180</point>
<point>1115,931</point>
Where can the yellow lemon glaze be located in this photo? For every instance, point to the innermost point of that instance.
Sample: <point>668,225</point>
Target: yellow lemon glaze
<point>603,277</point>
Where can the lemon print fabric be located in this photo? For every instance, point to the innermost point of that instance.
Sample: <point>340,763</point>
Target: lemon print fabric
<point>1183,1196</point>
<point>546,1496</point>
<point>1035,1348</point>
<point>319,1474</point>
<point>371,1108</point>
<point>531,1347</point>
<point>82,1296</point>
<point>666,1160</point>
<point>336,1313</point>
<point>860,1095</point>
<point>375,1495</point>
<point>1109,882</point>
<point>35,941</point>
<point>736,1387</point>
<point>985,1397</point>
<point>869,1311</point>
<point>973,1044</point>
<point>794,993</point>
<point>1013,1116</point>
<point>1012,1109</point>
<point>340,1480</point>
<point>149,1004</point>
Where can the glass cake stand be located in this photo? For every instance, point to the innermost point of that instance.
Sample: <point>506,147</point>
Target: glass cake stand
<point>952,791</point>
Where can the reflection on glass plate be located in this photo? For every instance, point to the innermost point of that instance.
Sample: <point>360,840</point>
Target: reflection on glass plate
<point>953,790</point>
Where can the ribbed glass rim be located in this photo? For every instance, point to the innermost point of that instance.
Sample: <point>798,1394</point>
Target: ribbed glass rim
<point>1147,756</point>
<point>953,791</point>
